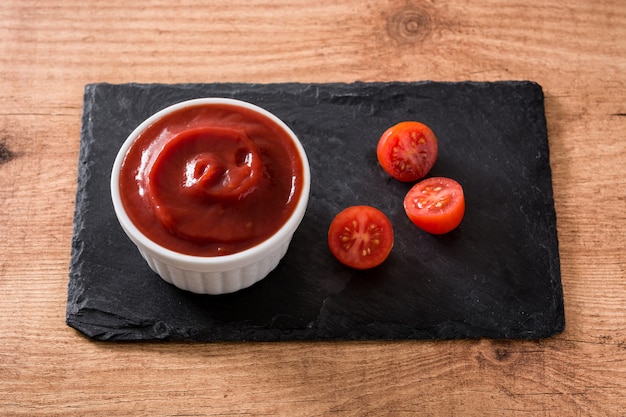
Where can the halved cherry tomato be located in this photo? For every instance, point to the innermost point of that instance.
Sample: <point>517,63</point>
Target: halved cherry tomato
<point>407,151</point>
<point>360,237</point>
<point>436,205</point>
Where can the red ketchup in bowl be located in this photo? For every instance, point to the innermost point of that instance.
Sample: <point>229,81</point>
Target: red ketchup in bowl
<point>211,180</point>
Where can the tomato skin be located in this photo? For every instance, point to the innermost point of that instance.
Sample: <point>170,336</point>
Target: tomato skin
<point>361,237</point>
<point>435,205</point>
<point>407,151</point>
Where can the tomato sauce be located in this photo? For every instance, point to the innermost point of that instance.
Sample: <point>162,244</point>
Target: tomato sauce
<point>211,180</point>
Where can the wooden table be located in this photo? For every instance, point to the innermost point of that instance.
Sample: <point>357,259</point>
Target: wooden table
<point>49,50</point>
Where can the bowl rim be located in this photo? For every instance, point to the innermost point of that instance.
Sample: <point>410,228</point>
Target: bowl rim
<point>220,262</point>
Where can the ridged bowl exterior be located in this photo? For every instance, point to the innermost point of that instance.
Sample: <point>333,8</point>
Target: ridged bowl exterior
<point>217,282</point>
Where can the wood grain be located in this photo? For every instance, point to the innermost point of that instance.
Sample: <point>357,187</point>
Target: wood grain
<point>49,50</point>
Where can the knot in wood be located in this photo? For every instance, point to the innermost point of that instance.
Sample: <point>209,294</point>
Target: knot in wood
<point>409,24</point>
<point>5,154</point>
<point>500,353</point>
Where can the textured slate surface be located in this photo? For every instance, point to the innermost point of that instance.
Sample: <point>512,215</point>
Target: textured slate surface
<point>496,276</point>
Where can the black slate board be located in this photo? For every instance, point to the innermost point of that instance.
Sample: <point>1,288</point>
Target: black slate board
<point>496,276</point>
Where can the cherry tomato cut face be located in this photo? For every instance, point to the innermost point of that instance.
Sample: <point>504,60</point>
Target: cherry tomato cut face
<point>436,205</point>
<point>360,237</point>
<point>407,151</point>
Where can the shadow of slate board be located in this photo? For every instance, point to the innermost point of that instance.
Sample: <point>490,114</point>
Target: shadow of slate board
<point>496,276</point>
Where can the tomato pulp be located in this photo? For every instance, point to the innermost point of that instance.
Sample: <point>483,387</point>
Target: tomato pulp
<point>436,205</point>
<point>211,179</point>
<point>407,151</point>
<point>360,237</point>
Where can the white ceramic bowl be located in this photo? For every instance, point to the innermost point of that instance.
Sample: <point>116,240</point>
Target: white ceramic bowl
<point>215,274</point>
